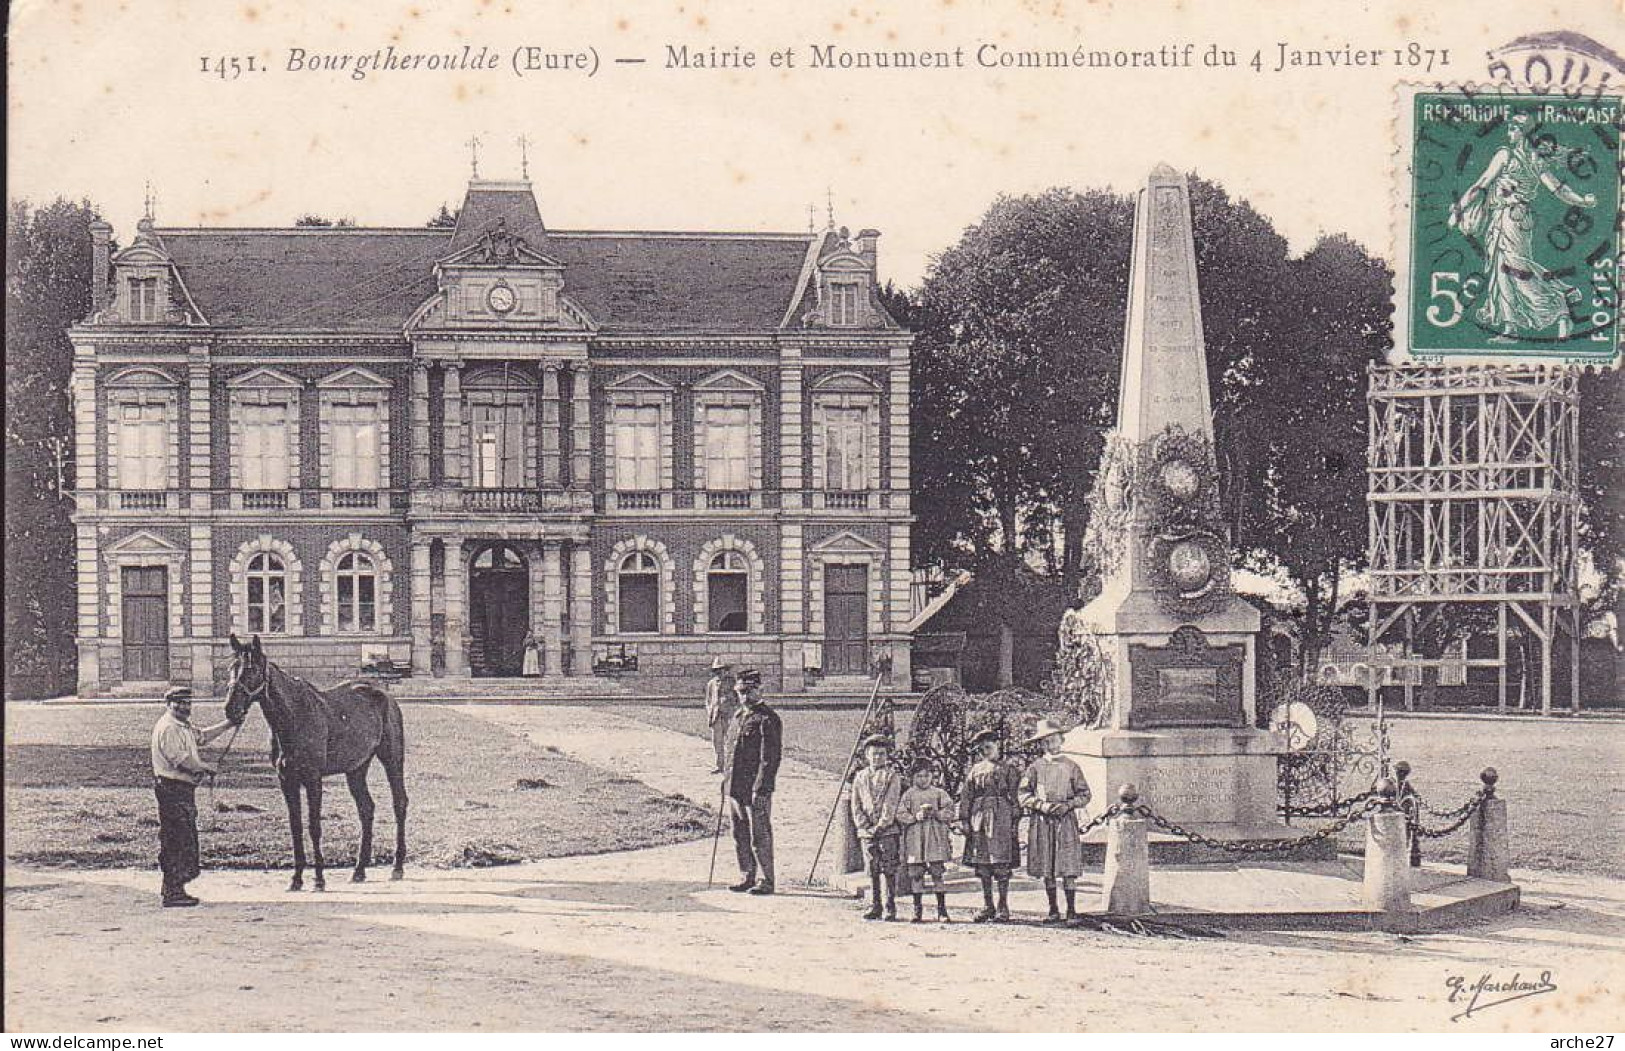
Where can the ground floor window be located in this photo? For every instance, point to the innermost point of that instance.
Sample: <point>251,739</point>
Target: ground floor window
<point>357,593</point>
<point>267,582</point>
<point>726,583</point>
<point>638,583</point>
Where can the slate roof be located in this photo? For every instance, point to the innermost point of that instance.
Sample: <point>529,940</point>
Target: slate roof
<point>351,279</point>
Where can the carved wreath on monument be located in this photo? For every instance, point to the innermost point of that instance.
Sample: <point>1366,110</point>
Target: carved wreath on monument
<point>1187,554</point>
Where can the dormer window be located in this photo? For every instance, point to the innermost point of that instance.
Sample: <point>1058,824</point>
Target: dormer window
<point>144,299</point>
<point>843,303</point>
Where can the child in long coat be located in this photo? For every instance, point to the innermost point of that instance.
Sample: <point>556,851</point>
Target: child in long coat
<point>1052,791</point>
<point>989,814</point>
<point>924,813</point>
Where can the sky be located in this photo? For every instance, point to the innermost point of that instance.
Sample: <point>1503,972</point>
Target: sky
<point>107,95</point>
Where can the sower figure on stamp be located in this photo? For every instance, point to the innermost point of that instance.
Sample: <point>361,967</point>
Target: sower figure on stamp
<point>176,769</point>
<point>876,792</point>
<point>989,814</point>
<point>1052,791</point>
<point>924,812</point>
<point>753,768</point>
<point>720,705</point>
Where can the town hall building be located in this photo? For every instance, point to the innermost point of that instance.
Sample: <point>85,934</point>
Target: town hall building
<point>639,450</point>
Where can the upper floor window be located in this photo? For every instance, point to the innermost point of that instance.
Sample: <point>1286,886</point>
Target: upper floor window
<point>356,593</point>
<point>356,460</point>
<point>727,447</point>
<point>843,307</point>
<point>143,442</point>
<point>846,448</point>
<point>267,584</point>
<point>637,447</point>
<point>144,298</point>
<point>498,444</point>
<point>264,458</point>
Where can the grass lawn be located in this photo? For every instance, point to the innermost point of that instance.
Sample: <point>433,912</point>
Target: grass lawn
<point>1564,781</point>
<point>78,791</point>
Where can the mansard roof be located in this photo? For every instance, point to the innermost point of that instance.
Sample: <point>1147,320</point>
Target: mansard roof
<point>348,279</point>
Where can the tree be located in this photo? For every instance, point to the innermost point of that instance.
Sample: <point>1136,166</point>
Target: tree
<point>1020,327</point>
<point>1301,501</point>
<point>48,270</point>
<point>1602,476</point>
<point>309,219</point>
<point>446,220</point>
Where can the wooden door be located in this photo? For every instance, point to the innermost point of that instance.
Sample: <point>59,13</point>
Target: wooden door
<point>146,623</point>
<point>846,620</point>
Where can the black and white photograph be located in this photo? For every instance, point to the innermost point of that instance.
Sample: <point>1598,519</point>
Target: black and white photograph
<point>933,516</point>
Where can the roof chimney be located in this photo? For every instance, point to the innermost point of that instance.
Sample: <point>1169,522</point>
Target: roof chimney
<point>864,245</point>
<point>101,235</point>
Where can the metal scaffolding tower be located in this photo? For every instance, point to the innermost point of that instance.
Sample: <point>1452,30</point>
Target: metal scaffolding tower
<point>1473,498</point>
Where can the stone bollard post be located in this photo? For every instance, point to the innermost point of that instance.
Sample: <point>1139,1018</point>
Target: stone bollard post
<point>1125,889</point>
<point>1489,852</point>
<point>1409,805</point>
<point>1387,868</point>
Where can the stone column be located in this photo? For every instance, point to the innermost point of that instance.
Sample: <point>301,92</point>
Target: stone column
<point>453,428</point>
<point>198,433</point>
<point>552,439</point>
<point>790,460</point>
<point>456,608</point>
<point>82,396</point>
<point>581,609</point>
<point>792,607</point>
<point>422,588</point>
<point>201,585</point>
<point>420,425</point>
<point>552,608</point>
<point>85,431</point>
<point>580,427</point>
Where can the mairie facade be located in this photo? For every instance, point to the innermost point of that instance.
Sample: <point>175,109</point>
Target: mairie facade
<point>641,450</point>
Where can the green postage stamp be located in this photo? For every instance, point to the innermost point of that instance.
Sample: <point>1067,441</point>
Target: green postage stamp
<point>1510,227</point>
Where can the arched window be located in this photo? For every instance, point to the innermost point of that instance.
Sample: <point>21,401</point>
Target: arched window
<point>727,587</point>
<point>357,593</point>
<point>267,580</point>
<point>638,581</point>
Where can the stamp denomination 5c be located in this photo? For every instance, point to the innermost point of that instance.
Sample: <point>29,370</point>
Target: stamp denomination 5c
<point>1511,227</point>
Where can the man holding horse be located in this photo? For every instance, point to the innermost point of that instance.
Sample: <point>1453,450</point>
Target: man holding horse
<point>177,768</point>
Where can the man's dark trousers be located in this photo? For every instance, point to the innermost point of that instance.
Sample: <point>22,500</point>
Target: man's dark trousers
<point>177,833</point>
<point>753,838</point>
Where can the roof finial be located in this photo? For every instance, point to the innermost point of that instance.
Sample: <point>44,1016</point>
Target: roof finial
<point>829,206</point>
<point>149,202</point>
<point>473,145</point>
<point>524,157</point>
<point>812,216</point>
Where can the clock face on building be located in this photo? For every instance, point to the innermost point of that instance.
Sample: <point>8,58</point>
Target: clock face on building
<point>501,299</point>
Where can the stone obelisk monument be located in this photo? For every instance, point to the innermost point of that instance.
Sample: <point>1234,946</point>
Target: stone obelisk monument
<point>1177,649</point>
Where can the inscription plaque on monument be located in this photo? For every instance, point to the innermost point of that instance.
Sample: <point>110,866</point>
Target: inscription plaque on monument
<point>1187,682</point>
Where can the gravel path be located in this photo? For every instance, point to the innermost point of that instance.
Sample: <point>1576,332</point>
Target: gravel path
<point>634,940</point>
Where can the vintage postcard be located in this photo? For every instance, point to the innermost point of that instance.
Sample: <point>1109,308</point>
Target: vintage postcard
<point>928,516</point>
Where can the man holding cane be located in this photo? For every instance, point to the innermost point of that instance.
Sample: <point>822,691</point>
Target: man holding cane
<point>752,771</point>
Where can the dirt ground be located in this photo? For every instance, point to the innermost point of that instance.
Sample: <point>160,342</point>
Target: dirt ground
<point>78,792</point>
<point>636,941</point>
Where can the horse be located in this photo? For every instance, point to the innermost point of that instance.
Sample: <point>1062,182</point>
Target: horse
<point>319,733</point>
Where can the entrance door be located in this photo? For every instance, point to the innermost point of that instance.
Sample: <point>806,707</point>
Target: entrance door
<point>146,623</point>
<point>846,620</point>
<point>499,613</point>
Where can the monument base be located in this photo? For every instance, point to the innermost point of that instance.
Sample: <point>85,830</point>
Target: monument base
<point>1216,782</point>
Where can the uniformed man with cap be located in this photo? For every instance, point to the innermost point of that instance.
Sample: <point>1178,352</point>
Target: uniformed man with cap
<point>177,768</point>
<point>720,705</point>
<point>756,745</point>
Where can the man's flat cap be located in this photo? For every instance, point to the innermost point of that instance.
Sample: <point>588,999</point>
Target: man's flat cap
<point>178,693</point>
<point>750,677</point>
